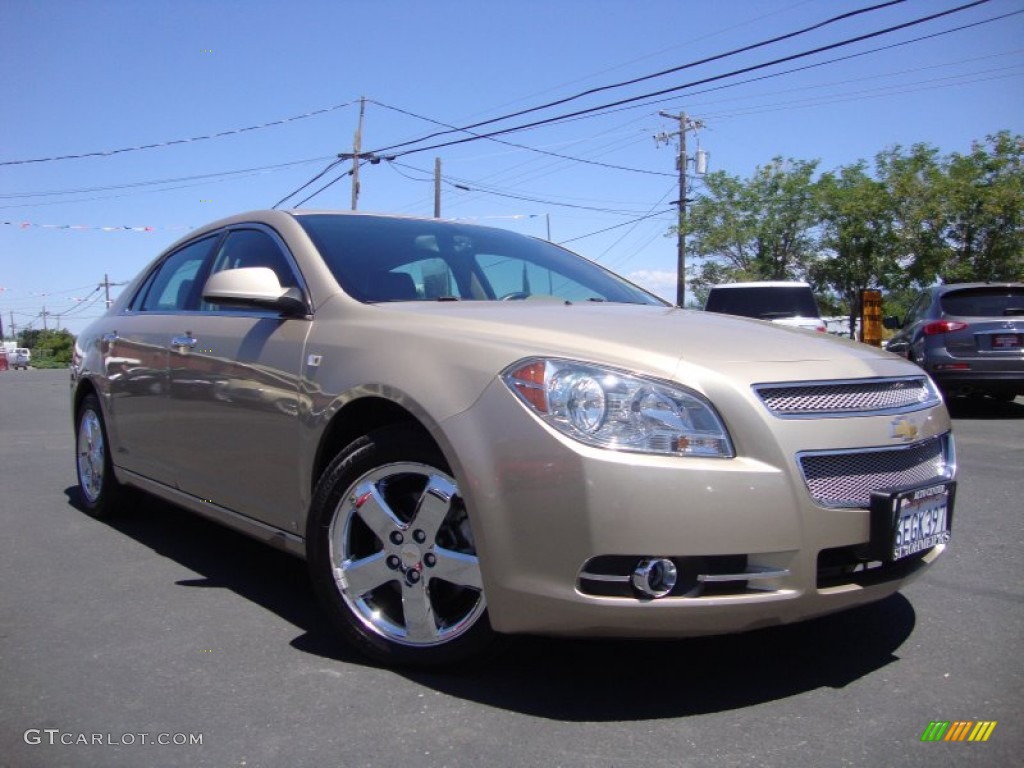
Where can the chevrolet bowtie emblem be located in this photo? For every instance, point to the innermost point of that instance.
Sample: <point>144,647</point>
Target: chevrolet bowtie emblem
<point>903,428</point>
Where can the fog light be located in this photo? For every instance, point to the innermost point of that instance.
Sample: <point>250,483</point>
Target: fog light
<point>654,576</point>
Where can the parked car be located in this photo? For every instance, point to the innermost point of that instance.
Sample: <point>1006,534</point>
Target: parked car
<point>4,365</point>
<point>784,302</point>
<point>968,336</point>
<point>21,358</point>
<point>467,433</point>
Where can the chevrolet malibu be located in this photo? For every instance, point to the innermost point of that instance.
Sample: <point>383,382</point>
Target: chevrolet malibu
<point>468,433</point>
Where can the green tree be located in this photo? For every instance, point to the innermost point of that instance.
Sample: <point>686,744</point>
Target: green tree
<point>52,346</point>
<point>984,193</point>
<point>29,338</point>
<point>914,182</point>
<point>859,237</point>
<point>756,229</point>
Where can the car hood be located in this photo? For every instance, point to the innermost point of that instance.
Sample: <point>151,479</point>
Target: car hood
<point>665,341</point>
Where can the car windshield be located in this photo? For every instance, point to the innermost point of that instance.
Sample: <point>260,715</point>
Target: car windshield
<point>763,302</point>
<point>984,302</point>
<point>378,259</point>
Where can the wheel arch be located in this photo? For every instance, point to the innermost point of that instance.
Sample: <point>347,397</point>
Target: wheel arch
<point>360,417</point>
<point>83,389</point>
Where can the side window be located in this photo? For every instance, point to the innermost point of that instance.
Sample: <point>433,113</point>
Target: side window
<point>917,310</point>
<point>172,287</point>
<point>251,248</point>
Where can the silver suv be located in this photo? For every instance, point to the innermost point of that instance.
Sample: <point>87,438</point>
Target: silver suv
<point>968,336</point>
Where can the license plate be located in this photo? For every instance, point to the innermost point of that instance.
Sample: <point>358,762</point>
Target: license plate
<point>1006,341</point>
<point>906,522</point>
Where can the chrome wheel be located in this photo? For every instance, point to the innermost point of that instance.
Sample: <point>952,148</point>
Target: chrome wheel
<point>403,558</point>
<point>91,452</point>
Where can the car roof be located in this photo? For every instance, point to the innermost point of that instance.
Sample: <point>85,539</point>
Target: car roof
<point>765,284</point>
<point>278,218</point>
<point>952,287</point>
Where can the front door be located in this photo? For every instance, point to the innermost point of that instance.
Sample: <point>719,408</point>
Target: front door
<point>234,394</point>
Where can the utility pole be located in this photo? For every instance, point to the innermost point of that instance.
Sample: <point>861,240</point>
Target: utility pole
<point>44,313</point>
<point>356,146</point>
<point>685,124</point>
<point>437,187</point>
<point>106,289</point>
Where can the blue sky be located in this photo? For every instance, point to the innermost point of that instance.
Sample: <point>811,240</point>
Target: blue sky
<point>86,77</point>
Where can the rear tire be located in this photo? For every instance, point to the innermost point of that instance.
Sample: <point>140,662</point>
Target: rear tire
<point>391,553</point>
<point>100,492</point>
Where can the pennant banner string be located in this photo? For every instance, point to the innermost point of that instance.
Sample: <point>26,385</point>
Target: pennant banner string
<point>117,228</point>
<point>109,152</point>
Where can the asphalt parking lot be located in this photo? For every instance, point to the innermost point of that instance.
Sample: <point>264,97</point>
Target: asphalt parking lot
<point>161,627</point>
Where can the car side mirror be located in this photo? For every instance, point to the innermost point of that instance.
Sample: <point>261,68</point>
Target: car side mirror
<point>892,322</point>
<point>256,287</point>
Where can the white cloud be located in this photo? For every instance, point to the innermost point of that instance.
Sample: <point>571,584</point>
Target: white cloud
<point>659,282</point>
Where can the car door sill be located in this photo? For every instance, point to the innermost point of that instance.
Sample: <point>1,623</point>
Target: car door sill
<point>289,542</point>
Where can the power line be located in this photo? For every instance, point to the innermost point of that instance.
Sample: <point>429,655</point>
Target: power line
<point>154,182</point>
<point>837,59</point>
<point>896,89</point>
<point>617,226</point>
<point>874,78</point>
<point>674,89</point>
<point>330,165</point>
<point>232,132</point>
<point>817,65</point>
<point>636,223</point>
<point>464,185</point>
<point>662,73</point>
<point>325,186</point>
<point>522,146</point>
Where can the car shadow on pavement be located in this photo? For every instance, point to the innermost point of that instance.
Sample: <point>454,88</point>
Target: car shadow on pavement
<point>229,560</point>
<point>981,408</point>
<point>555,678</point>
<point>621,680</point>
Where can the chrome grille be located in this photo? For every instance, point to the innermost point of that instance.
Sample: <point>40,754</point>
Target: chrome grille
<point>847,398</point>
<point>846,479</point>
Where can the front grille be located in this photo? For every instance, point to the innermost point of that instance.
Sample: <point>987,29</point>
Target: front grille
<point>847,398</point>
<point>846,479</point>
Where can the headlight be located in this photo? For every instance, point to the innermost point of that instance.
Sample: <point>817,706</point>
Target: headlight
<point>612,409</point>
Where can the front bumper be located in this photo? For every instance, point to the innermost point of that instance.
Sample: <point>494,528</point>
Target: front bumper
<point>546,509</point>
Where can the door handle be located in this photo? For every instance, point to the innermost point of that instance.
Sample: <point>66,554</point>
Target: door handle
<point>109,337</point>
<point>188,340</point>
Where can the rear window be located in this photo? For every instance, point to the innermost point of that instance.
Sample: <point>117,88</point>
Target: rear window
<point>767,302</point>
<point>984,302</point>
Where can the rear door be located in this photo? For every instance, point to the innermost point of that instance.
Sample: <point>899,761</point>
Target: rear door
<point>136,350</point>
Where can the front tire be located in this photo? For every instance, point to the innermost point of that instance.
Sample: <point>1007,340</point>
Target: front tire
<point>100,492</point>
<point>391,553</point>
